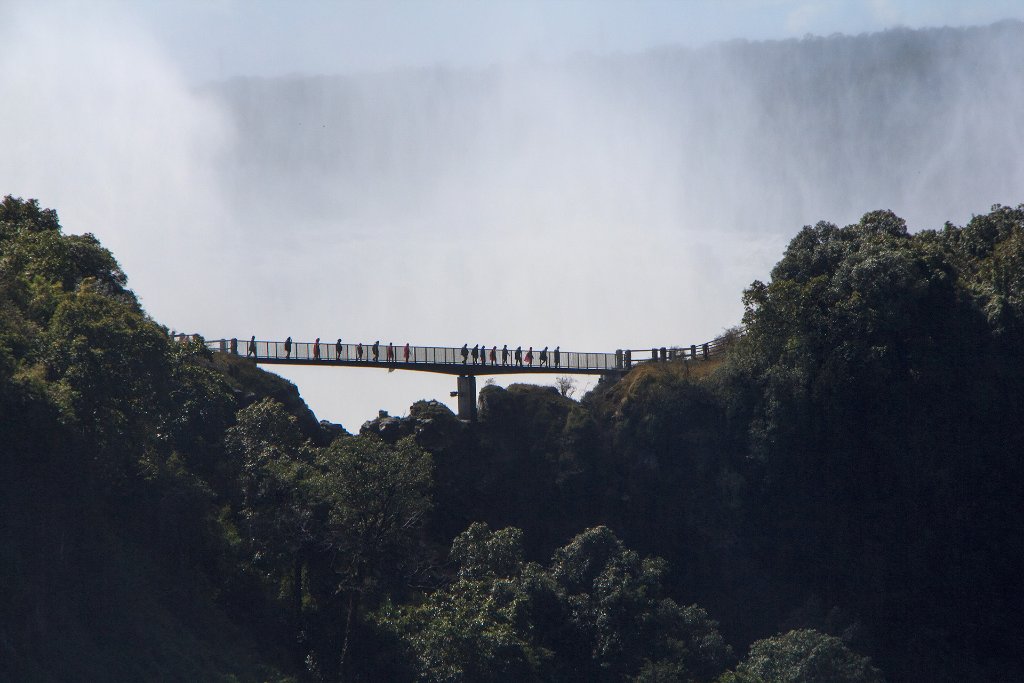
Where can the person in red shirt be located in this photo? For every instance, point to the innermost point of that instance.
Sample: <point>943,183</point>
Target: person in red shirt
<point>405,353</point>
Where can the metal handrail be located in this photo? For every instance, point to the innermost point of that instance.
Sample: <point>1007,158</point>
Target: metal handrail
<point>451,357</point>
<point>417,355</point>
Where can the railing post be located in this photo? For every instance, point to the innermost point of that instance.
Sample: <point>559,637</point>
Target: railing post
<point>628,358</point>
<point>664,354</point>
<point>618,358</point>
<point>693,351</point>
<point>705,351</point>
<point>654,354</point>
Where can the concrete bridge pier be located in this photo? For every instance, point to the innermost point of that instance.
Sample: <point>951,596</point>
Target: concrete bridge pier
<point>467,397</point>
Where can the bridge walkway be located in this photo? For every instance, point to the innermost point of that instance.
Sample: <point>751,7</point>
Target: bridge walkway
<point>449,360</point>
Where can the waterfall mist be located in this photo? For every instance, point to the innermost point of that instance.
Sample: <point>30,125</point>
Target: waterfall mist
<point>595,202</point>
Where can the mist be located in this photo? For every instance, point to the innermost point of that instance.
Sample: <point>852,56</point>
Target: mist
<point>593,202</point>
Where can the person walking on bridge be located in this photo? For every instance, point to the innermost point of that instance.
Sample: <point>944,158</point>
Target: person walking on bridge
<point>316,349</point>
<point>465,353</point>
<point>376,351</point>
<point>391,352</point>
<point>405,352</point>
<point>519,355</point>
<point>529,357</point>
<point>288,348</point>
<point>504,354</point>
<point>544,356</point>
<point>475,353</point>
<point>558,357</point>
<point>494,355</point>
<point>337,349</point>
<point>251,351</point>
<point>359,351</point>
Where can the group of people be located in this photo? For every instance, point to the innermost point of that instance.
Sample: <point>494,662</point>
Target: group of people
<point>339,350</point>
<point>481,355</point>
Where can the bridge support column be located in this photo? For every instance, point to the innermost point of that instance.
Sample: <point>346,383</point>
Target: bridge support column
<point>467,397</point>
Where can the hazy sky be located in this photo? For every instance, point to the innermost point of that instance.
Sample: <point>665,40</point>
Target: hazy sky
<point>221,38</point>
<point>481,171</point>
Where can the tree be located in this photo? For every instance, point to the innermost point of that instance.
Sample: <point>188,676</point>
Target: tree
<point>276,507</point>
<point>479,627</point>
<point>876,385</point>
<point>621,620</point>
<point>566,386</point>
<point>374,497</point>
<point>109,365</point>
<point>807,656</point>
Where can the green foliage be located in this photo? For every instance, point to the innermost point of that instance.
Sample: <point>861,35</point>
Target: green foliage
<point>108,361</point>
<point>807,656</point>
<point>17,215</point>
<point>597,613</point>
<point>32,246</point>
<point>275,477</point>
<point>618,609</point>
<point>376,496</point>
<point>989,253</point>
<point>477,628</point>
<point>481,553</point>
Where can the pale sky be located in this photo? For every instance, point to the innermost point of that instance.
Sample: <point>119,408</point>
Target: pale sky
<point>479,174</point>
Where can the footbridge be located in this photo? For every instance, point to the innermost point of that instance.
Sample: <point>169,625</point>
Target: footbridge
<point>465,362</point>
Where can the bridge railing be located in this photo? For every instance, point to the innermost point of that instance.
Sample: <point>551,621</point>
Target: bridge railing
<point>693,352</point>
<point>418,355</point>
<point>449,355</point>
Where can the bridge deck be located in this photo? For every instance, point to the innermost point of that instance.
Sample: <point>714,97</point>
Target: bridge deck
<point>444,359</point>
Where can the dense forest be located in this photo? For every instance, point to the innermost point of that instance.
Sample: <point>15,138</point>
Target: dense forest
<point>836,498</point>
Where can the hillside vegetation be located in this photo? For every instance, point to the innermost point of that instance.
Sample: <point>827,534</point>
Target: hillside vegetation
<point>837,498</point>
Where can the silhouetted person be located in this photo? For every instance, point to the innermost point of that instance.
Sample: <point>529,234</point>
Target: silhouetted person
<point>544,356</point>
<point>475,353</point>
<point>337,349</point>
<point>519,355</point>
<point>251,351</point>
<point>504,354</point>
<point>465,353</point>
<point>391,352</point>
<point>405,352</point>
<point>529,357</point>
<point>376,351</point>
<point>359,351</point>
<point>558,357</point>
<point>494,355</point>
<point>316,349</point>
<point>288,347</point>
